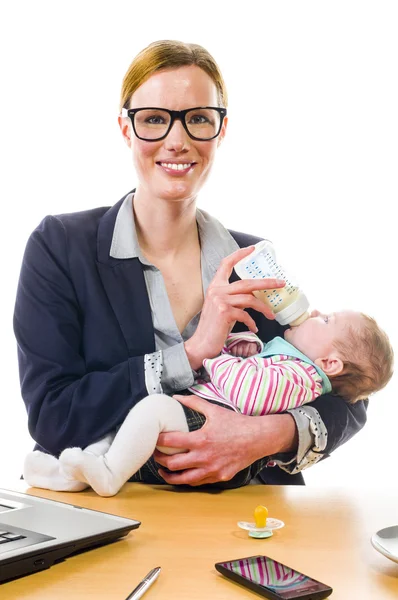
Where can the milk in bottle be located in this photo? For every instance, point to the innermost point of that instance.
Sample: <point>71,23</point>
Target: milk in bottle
<point>289,304</point>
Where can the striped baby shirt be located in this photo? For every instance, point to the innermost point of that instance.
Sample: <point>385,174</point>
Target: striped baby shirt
<point>278,378</point>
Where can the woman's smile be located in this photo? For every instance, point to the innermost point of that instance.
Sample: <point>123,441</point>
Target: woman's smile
<point>176,169</point>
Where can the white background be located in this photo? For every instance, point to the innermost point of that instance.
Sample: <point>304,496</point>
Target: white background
<point>310,158</point>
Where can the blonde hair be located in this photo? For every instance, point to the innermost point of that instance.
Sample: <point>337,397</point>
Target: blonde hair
<point>368,361</point>
<point>170,54</point>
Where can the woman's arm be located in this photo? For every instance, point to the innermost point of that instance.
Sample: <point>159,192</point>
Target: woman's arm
<point>68,402</point>
<point>341,419</point>
<point>323,426</point>
<point>225,304</point>
<point>227,443</point>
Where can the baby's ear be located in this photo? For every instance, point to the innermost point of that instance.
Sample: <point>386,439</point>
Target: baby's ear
<point>332,365</point>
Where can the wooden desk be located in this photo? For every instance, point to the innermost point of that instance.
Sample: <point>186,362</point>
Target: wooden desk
<point>326,536</point>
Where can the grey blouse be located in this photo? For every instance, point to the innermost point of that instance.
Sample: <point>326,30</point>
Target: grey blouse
<point>172,370</point>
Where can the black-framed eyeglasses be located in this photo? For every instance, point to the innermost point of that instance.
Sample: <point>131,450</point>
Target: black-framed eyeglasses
<point>151,124</point>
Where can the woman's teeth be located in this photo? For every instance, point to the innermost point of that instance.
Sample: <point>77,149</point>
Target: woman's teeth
<point>175,166</point>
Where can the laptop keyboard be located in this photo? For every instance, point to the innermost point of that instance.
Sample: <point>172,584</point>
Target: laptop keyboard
<point>9,536</point>
<point>13,538</point>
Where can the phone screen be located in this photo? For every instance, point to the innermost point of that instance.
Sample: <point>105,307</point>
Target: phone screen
<point>280,579</point>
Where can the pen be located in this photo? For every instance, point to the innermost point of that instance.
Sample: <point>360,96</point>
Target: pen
<point>144,584</point>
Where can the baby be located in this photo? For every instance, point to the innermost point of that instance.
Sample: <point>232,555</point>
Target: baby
<point>345,353</point>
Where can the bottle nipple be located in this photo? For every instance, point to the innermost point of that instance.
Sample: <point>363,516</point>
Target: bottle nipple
<point>300,320</point>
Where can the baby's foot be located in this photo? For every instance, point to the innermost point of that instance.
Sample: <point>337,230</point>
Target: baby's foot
<point>89,468</point>
<point>70,463</point>
<point>44,471</point>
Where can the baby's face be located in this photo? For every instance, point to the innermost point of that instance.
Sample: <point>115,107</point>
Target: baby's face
<point>315,337</point>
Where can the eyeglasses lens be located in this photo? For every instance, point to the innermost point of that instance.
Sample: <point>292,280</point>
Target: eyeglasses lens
<point>152,124</point>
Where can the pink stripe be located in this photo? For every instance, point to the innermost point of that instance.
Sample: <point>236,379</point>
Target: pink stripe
<point>246,409</point>
<point>257,388</point>
<point>238,382</point>
<point>285,382</point>
<point>227,371</point>
<point>309,371</point>
<point>261,571</point>
<point>274,379</point>
<point>264,390</point>
<point>267,391</point>
<point>301,396</point>
<point>206,390</point>
<point>256,393</point>
<point>244,570</point>
<point>278,572</point>
<point>306,370</point>
<point>288,395</point>
<point>217,364</point>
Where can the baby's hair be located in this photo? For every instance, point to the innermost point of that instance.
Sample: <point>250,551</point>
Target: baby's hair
<point>368,361</point>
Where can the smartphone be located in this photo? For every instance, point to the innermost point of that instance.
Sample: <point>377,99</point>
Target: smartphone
<point>272,579</point>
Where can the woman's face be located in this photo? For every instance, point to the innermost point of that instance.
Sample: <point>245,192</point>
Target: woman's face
<point>174,89</point>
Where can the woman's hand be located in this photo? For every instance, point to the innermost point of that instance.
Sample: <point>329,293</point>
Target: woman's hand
<point>227,443</point>
<point>225,304</point>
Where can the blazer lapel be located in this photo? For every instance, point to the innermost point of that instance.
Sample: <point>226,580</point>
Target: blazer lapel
<point>124,284</point>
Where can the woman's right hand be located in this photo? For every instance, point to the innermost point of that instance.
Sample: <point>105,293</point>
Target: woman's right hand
<point>225,304</point>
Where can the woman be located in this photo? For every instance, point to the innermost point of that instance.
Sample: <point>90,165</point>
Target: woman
<point>114,304</point>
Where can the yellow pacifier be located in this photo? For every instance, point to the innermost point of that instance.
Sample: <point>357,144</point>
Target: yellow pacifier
<point>260,516</point>
<point>263,525</point>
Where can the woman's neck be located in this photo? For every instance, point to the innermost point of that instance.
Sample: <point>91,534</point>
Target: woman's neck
<point>165,228</point>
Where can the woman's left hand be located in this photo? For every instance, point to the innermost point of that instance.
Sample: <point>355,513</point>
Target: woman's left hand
<point>227,443</point>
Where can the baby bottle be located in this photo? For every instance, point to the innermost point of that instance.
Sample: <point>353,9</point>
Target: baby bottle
<point>289,304</point>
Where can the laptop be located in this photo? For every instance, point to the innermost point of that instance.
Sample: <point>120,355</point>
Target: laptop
<point>36,532</point>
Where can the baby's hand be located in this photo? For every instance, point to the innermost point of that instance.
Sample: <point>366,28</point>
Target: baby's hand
<point>244,349</point>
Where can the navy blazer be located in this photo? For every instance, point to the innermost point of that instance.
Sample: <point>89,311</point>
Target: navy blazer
<point>83,325</point>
